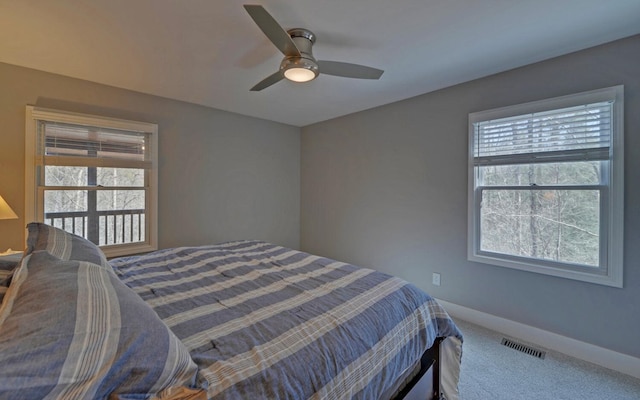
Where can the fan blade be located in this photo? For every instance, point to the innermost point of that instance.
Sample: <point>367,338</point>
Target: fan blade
<point>348,70</point>
<point>268,81</point>
<point>278,36</point>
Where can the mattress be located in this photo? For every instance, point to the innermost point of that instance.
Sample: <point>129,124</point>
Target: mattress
<point>266,321</point>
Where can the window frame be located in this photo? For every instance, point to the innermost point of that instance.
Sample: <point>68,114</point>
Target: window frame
<point>34,195</point>
<point>612,200</point>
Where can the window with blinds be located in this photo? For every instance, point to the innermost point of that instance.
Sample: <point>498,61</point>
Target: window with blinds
<point>94,177</point>
<point>546,186</point>
<point>581,133</point>
<point>104,146</point>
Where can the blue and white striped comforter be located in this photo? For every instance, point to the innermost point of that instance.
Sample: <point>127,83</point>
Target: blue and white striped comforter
<point>264,322</point>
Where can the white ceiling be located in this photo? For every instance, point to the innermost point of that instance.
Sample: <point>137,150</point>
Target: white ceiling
<point>210,52</point>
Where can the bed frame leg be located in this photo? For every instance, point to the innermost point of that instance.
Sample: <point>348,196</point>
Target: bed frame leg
<point>427,382</point>
<point>436,369</point>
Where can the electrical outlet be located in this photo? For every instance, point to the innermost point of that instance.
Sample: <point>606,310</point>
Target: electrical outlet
<point>436,279</point>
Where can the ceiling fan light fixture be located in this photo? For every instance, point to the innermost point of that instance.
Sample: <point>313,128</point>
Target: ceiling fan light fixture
<point>298,74</point>
<point>299,64</point>
<point>298,69</point>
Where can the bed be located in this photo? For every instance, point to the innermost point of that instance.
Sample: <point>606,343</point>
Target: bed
<point>236,320</point>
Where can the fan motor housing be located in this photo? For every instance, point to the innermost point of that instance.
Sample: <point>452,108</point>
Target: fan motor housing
<point>304,40</point>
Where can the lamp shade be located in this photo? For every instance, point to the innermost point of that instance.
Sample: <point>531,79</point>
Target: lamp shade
<point>5,211</point>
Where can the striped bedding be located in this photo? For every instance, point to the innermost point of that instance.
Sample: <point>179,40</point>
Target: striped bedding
<point>71,330</point>
<point>267,322</point>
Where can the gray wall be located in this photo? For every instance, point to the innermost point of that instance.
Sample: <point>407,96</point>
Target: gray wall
<point>222,176</point>
<point>387,188</point>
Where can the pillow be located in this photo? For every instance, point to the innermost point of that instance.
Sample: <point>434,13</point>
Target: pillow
<point>64,245</point>
<point>7,265</point>
<point>5,279</point>
<point>72,329</point>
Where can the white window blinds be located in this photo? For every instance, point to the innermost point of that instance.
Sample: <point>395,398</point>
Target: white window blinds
<point>67,144</point>
<point>573,133</point>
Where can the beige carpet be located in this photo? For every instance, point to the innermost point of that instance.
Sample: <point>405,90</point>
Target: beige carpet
<point>492,371</point>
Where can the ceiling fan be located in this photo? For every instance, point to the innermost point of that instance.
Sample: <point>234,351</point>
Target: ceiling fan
<point>298,64</point>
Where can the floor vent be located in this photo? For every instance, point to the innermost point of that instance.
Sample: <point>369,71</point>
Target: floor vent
<point>523,348</point>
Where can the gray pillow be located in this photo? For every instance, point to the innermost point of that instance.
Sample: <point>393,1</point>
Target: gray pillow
<point>5,280</point>
<point>7,265</point>
<point>64,245</point>
<point>72,329</point>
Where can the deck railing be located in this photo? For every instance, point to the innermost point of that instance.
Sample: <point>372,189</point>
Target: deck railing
<point>102,227</point>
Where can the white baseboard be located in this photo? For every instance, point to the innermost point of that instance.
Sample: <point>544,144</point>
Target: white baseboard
<point>588,352</point>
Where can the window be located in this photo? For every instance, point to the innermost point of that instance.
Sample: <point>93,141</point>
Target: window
<point>546,186</point>
<point>92,176</point>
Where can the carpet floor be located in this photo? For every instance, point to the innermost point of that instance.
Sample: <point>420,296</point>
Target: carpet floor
<point>492,371</point>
